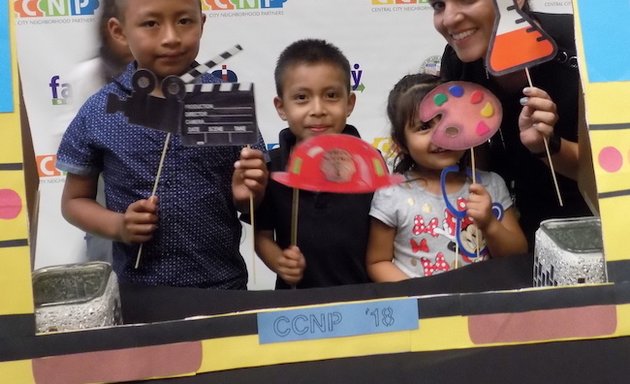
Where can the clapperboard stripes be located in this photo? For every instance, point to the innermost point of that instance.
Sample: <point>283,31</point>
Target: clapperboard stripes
<point>203,68</point>
<point>219,87</point>
<point>218,113</point>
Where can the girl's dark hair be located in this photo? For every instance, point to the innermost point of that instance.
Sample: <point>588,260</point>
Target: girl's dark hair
<point>402,107</point>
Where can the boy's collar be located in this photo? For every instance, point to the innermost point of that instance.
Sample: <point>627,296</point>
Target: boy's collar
<point>286,138</point>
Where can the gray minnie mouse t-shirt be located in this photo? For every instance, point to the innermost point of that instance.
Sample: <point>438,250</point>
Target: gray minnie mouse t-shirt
<point>427,231</point>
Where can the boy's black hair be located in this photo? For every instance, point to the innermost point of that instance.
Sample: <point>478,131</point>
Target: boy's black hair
<point>122,4</point>
<point>310,51</point>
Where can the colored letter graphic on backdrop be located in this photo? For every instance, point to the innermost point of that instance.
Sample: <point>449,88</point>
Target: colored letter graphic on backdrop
<point>57,8</point>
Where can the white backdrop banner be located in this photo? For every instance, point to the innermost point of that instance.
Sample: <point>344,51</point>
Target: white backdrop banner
<point>383,39</point>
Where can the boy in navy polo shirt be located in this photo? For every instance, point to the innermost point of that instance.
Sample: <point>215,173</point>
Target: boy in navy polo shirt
<point>193,238</point>
<point>314,97</point>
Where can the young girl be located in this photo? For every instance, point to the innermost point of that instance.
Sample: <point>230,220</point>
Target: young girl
<point>412,232</point>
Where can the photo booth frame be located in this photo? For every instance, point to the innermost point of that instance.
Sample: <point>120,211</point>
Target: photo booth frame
<point>575,333</point>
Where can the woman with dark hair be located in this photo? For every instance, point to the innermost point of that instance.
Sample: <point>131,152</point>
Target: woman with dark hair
<point>548,110</point>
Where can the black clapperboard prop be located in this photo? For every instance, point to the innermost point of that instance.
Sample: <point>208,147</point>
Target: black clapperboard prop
<point>219,114</point>
<point>211,114</point>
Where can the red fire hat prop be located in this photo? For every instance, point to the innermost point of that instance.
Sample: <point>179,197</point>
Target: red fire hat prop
<point>336,163</point>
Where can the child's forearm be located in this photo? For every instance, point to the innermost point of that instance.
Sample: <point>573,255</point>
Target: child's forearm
<point>249,179</point>
<point>503,241</point>
<point>380,253</point>
<point>243,198</point>
<point>90,216</point>
<point>267,249</point>
<point>289,264</point>
<point>79,207</point>
<point>385,271</point>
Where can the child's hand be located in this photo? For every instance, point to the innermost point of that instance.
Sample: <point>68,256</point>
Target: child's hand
<point>250,176</point>
<point>139,221</point>
<point>291,265</point>
<point>537,119</point>
<point>479,206</point>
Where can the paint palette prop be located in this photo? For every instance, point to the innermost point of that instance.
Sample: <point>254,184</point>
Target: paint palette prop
<point>470,114</point>
<point>203,114</point>
<point>336,163</point>
<point>517,42</point>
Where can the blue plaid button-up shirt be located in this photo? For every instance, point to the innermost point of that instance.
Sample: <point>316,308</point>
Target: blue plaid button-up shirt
<point>198,236</point>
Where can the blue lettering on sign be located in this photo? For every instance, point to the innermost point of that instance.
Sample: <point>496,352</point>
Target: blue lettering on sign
<point>338,321</point>
<point>61,92</point>
<point>357,74</point>
<point>6,80</point>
